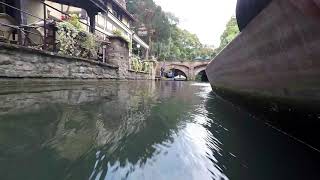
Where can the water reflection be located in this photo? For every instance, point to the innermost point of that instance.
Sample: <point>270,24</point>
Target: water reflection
<point>114,130</point>
<point>134,130</point>
<point>250,149</point>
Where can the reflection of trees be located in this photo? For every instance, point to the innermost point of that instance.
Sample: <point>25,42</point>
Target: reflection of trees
<point>60,140</point>
<point>136,143</point>
<point>133,136</point>
<point>43,134</point>
<point>21,138</point>
<point>75,134</point>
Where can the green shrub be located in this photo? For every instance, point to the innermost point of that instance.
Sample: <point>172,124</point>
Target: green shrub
<point>136,65</point>
<point>74,41</point>
<point>66,38</point>
<point>146,67</point>
<point>74,20</point>
<point>140,66</point>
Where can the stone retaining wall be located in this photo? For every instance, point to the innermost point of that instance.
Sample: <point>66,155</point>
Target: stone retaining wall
<point>132,75</point>
<point>118,55</point>
<point>21,62</point>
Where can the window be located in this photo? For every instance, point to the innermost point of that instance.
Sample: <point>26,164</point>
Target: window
<point>119,16</point>
<point>2,7</point>
<point>5,9</point>
<point>100,20</point>
<point>116,13</point>
<point>83,14</point>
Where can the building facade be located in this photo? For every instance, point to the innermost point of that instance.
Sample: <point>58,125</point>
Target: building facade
<point>32,23</point>
<point>111,17</point>
<point>113,21</point>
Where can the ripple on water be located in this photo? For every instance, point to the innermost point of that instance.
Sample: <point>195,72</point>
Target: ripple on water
<point>138,130</point>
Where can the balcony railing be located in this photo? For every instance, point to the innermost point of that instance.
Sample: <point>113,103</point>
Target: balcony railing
<point>40,34</point>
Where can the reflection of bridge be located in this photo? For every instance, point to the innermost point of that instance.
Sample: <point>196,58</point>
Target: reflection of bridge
<point>190,69</point>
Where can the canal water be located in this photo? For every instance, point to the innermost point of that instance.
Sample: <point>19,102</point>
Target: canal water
<point>140,130</point>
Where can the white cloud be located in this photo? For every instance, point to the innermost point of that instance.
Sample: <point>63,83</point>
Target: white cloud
<point>206,18</point>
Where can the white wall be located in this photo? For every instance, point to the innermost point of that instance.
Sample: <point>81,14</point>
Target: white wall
<point>67,9</point>
<point>34,7</point>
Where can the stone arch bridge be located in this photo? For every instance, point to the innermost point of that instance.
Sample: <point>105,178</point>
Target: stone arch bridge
<point>190,69</point>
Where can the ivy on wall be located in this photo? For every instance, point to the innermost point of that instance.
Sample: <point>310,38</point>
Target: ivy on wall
<point>118,33</point>
<point>140,66</point>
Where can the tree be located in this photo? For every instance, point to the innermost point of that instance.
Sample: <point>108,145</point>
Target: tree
<point>229,34</point>
<point>166,40</point>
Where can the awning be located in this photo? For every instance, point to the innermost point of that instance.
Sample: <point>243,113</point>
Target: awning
<point>140,41</point>
<point>89,5</point>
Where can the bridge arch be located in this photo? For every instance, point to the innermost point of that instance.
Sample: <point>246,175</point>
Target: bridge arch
<point>200,73</point>
<point>202,76</point>
<point>200,68</point>
<point>179,70</point>
<point>189,68</point>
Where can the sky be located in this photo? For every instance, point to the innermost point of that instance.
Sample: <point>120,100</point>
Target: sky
<point>205,18</point>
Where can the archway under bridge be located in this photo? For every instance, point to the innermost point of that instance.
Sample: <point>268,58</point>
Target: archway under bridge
<point>202,76</point>
<point>188,68</point>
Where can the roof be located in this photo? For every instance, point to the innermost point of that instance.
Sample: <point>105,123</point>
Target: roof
<point>100,4</point>
<point>94,5</point>
<point>88,5</point>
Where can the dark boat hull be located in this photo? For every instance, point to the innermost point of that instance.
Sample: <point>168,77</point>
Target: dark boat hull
<point>276,55</point>
<point>248,10</point>
<point>273,68</point>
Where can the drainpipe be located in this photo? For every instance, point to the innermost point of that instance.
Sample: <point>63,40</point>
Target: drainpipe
<point>147,54</point>
<point>21,18</point>
<point>150,41</point>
